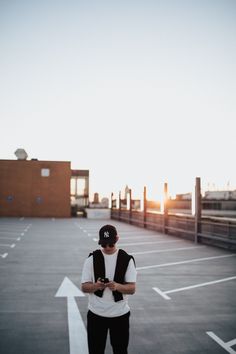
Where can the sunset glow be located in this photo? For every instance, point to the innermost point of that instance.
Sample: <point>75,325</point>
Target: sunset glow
<point>143,103</point>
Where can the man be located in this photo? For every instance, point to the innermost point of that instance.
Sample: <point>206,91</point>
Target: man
<point>108,276</point>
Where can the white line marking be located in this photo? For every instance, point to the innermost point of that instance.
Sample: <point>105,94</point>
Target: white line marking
<point>18,239</point>
<point>77,331</point>
<point>162,293</point>
<point>9,232</point>
<point>4,255</point>
<point>142,237</point>
<point>22,234</point>
<point>12,224</point>
<point>7,245</point>
<point>200,285</point>
<point>184,262</point>
<point>225,345</point>
<point>138,233</point>
<point>95,239</point>
<point>147,243</point>
<point>166,297</point>
<point>232,342</point>
<point>9,238</point>
<point>166,250</point>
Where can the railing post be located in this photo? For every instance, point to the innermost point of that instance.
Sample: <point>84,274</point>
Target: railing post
<point>119,205</point>
<point>111,200</point>
<point>130,206</point>
<point>165,209</point>
<point>198,209</point>
<point>144,207</point>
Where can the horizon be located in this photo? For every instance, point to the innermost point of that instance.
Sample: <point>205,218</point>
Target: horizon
<point>210,187</point>
<point>137,93</point>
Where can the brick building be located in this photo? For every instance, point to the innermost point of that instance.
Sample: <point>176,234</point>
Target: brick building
<point>35,188</point>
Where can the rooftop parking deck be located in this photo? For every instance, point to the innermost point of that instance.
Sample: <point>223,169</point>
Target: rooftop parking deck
<point>185,300</point>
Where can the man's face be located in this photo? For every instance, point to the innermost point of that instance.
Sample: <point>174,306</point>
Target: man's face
<point>108,248</point>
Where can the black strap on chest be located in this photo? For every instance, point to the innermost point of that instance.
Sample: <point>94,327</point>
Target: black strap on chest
<point>122,262</point>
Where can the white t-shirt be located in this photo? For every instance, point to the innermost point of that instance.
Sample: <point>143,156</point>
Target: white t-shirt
<point>106,306</point>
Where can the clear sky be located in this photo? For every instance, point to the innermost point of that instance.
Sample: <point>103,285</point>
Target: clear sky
<point>138,92</point>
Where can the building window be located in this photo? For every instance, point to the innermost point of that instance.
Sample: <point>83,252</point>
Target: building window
<point>39,200</point>
<point>10,198</point>
<point>45,172</point>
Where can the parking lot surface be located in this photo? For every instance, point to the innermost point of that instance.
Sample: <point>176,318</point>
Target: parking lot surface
<point>185,300</point>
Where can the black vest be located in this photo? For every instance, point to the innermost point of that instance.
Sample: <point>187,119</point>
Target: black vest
<point>122,262</point>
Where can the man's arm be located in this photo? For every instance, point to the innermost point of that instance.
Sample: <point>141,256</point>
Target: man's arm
<point>90,287</point>
<point>127,288</point>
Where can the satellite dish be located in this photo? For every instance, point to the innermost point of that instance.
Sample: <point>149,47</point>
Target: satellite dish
<point>21,154</point>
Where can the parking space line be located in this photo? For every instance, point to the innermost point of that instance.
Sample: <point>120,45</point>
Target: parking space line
<point>226,345</point>
<point>200,285</point>
<point>95,239</point>
<point>143,237</point>
<point>10,232</point>
<point>163,293</point>
<point>184,262</point>
<point>147,243</point>
<point>9,238</point>
<point>166,250</point>
<point>6,245</point>
<point>232,342</point>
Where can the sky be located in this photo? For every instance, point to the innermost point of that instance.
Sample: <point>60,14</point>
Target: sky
<point>139,92</point>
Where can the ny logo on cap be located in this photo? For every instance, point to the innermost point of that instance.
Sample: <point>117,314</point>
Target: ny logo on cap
<point>106,234</point>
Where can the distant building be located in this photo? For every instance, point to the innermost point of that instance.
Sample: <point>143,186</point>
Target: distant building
<point>34,188</point>
<point>223,202</point>
<point>219,200</point>
<point>185,196</point>
<point>79,191</point>
<point>96,198</point>
<point>221,195</point>
<point>97,204</point>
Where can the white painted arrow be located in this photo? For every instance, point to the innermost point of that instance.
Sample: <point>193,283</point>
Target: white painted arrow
<point>77,331</point>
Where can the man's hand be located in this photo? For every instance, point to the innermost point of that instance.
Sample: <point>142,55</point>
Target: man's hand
<point>91,287</point>
<point>112,285</point>
<point>127,288</point>
<point>99,285</point>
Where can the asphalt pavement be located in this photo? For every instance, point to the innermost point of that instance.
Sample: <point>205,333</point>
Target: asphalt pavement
<point>185,300</point>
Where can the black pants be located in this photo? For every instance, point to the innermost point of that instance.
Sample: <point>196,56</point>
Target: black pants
<point>98,326</point>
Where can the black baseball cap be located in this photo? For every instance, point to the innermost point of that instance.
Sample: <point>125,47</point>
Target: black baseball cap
<point>107,234</point>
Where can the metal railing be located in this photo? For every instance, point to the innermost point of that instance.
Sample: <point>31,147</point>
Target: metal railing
<point>198,228</point>
<point>208,230</point>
